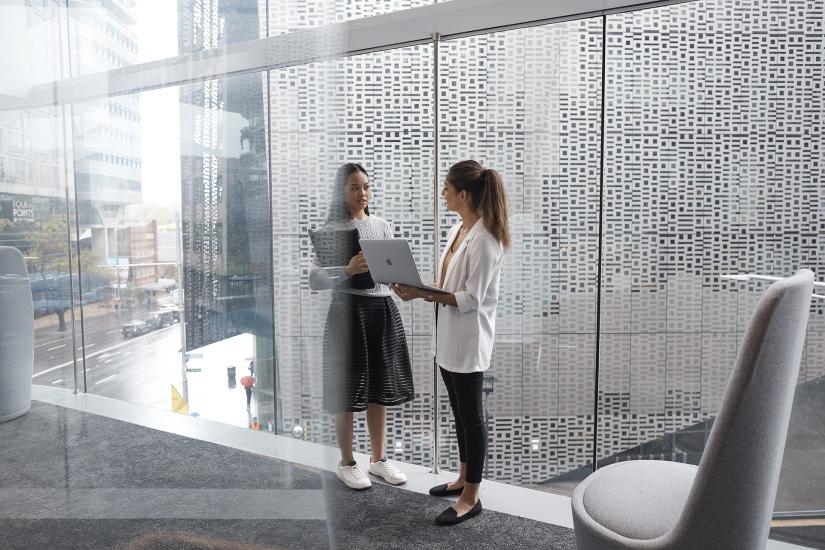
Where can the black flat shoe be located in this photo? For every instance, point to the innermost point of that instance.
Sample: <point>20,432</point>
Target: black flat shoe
<point>449,516</point>
<point>442,491</point>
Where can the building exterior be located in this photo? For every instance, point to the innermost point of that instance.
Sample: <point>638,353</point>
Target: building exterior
<point>139,243</point>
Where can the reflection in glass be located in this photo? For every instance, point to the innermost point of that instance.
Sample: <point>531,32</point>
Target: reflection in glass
<point>322,115</point>
<point>33,218</point>
<point>114,35</point>
<point>135,164</point>
<point>227,244</point>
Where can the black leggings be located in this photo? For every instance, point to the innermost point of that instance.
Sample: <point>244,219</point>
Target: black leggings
<point>464,390</point>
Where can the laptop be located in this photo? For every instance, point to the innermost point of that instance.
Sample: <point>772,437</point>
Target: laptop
<point>391,261</point>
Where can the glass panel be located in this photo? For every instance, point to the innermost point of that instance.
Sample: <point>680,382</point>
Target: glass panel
<point>32,30</point>
<point>290,15</point>
<point>227,248</point>
<point>138,159</point>
<point>112,34</point>
<point>713,140</point>
<point>373,109</point>
<point>33,218</point>
<point>528,103</point>
<point>33,213</point>
<point>114,147</point>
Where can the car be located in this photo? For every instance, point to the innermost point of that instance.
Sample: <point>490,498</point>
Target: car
<point>134,328</point>
<point>175,311</point>
<point>159,319</point>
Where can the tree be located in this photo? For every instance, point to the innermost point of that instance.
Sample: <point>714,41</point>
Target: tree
<point>49,260</point>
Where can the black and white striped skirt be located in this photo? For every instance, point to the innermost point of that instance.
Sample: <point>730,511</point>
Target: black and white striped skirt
<point>365,354</point>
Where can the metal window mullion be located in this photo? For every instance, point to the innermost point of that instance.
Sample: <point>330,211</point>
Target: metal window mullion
<point>436,237</point>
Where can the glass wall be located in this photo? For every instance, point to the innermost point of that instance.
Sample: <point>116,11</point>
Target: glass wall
<point>713,166</point>
<point>34,182</point>
<point>107,35</point>
<point>151,266</point>
<point>186,211</point>
<point>374,109</point>
<point>227,246</point>
<point>290,15</point>
<point>35,219</point>
<point>527,102</point>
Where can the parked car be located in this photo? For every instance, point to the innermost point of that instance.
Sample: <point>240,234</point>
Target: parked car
<point>175,311</point>
<point>159,319</point>
<point>134,328</point>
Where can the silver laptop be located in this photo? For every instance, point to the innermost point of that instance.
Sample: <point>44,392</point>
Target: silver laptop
<point>391,261</point>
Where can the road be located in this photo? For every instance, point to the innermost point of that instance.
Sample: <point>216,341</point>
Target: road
<point>142,370</point>
<point>53,348</point>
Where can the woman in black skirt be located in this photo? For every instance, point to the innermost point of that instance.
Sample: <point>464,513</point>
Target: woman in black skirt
<point>366,362</point>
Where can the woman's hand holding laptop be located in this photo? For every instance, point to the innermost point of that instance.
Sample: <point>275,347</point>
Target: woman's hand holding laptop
<point>357,265</point>
<point>407,292</point>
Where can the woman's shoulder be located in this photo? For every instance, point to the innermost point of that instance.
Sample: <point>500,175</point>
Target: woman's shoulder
<point>334,225</point>
<point>485,239</point>
<point>378,220</point>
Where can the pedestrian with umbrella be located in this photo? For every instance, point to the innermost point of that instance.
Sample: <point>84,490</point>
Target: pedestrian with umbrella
<point>248,382</point>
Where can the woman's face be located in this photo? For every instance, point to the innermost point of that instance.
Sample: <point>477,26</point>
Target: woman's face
<point>452,196</point>
<point>357,192</point>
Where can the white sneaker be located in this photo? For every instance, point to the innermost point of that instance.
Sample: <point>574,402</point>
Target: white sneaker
<point>352,476</point>
<point>389,471</point>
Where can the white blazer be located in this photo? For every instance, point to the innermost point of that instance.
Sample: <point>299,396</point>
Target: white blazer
<point>463,340</point>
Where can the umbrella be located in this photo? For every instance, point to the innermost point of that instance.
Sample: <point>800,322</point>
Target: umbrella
<point>247,381</point>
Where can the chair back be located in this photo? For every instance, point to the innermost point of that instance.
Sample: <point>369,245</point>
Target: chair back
<point>731,501</point>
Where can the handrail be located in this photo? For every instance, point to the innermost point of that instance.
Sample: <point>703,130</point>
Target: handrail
<point>745,277</point>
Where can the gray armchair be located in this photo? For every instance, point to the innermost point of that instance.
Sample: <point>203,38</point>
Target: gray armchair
<point>726,502</point>
<point>16,335</point>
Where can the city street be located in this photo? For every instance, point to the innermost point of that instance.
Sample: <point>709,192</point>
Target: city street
<point>143,369</point>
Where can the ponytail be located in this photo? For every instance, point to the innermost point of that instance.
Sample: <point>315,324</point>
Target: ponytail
<point>493,206</point>
<point>487,194</point>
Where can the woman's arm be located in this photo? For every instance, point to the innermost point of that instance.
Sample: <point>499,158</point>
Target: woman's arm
<point>325,278</point>
<point>484,256</point>
<point>407,293</point>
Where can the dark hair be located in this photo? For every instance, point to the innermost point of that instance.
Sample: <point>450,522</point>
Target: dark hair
<point>338,209</point>
<point>486,195</point>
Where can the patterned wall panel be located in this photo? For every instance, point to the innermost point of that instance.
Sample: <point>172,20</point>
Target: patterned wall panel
<point>527,102</point>
<point>713,165</point>
<point>291,15</point>
<point>375,109</point>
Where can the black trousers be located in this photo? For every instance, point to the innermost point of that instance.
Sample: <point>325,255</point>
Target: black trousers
<point>464,390</point>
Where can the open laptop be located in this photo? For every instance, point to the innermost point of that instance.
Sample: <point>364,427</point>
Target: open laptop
<point>391,261</point>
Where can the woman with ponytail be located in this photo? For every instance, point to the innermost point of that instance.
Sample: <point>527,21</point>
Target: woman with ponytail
<point>469,270</point>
